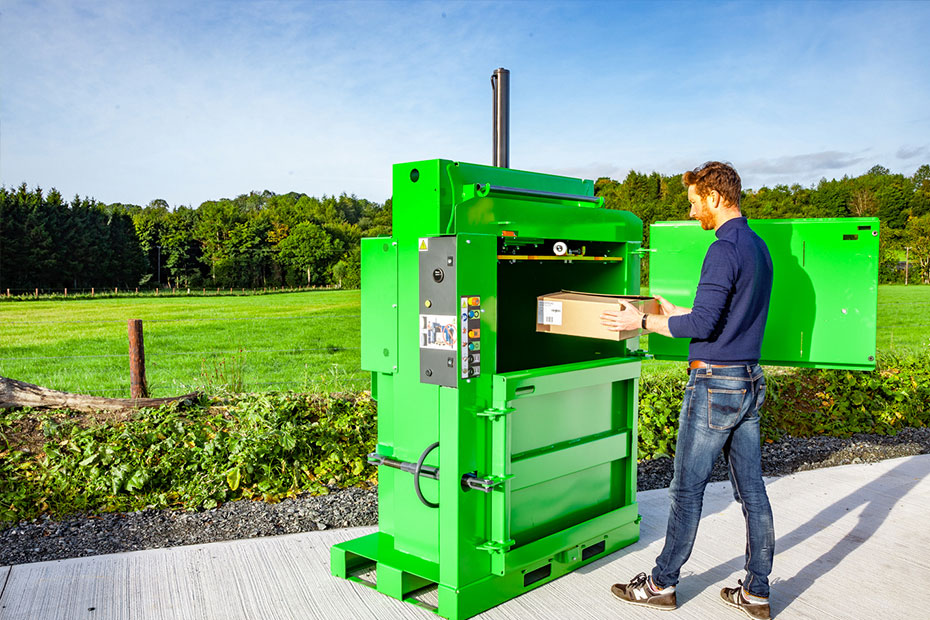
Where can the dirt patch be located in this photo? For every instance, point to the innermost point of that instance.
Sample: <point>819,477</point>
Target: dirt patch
<point>27,434</point>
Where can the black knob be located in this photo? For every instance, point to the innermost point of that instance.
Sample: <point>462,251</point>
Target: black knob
<point>438,275</point>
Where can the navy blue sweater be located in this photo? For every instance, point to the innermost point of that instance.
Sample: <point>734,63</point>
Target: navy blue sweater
<point>732,301</point>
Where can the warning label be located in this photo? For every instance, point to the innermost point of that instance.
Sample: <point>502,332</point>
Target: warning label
<point>424,244</point>
<point>549,312</point>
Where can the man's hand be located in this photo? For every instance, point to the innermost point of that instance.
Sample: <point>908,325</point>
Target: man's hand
<point>670,309</point>
<point>627,317</point>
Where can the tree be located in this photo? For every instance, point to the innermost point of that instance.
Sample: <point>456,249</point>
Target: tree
<point>890,246</point>
<point>917,236</point>
<point>348,271</point>
<point>878,170</point>
<point>308,249</point>
<point>181,253</point>
<point>919,203</point>
<point>150,224</point>
<point>862,202</point>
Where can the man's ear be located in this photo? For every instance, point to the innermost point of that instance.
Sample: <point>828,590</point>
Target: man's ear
<point>714,198</point>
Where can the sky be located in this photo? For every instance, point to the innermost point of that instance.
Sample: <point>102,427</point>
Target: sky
<point>191,101</point>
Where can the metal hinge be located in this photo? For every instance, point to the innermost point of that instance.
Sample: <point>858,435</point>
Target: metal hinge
<point>495,412</point>
<point>497,546</point>
<point>472,481</point>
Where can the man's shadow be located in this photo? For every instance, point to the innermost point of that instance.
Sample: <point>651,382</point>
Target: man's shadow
<point>793,305</point>
<point>655,523</point>
<point>877,498</point>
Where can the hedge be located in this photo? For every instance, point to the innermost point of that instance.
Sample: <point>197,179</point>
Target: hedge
<point>273,446</point>
<point>804,402</point>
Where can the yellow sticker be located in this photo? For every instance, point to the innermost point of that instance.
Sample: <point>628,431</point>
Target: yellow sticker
<point>424,244</point>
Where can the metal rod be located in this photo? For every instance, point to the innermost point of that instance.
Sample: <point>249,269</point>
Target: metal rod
<point>426,471</point>
<point>484,189</point>
<point>500,89</point>
<point>567,258</point>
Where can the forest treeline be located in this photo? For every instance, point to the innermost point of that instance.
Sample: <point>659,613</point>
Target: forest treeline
<point>254,240</point>
<point>266,239</point>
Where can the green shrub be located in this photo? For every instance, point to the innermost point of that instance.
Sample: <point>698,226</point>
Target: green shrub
<point>659,405</point>
<point>805,402</point>
<point>842,402</point>
<point>267,446</point>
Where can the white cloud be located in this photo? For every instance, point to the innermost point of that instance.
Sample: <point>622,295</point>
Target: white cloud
<point>913,152</point>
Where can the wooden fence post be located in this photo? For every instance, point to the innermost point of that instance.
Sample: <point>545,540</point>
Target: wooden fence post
<point>138,388</point>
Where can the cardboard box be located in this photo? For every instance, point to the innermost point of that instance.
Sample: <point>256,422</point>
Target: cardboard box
<point>579,314</point>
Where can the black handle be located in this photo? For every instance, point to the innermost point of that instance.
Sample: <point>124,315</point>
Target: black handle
<point>416,476</point>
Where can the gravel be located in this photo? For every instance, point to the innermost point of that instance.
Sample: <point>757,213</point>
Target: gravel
<point>87,535</point>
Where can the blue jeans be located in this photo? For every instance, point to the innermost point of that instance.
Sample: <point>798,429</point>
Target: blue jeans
<point>720,411</point>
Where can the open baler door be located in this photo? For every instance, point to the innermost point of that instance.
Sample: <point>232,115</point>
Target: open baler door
<point>824,295</point>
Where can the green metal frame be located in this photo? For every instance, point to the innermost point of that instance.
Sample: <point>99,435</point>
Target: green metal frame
<point>550,423</point>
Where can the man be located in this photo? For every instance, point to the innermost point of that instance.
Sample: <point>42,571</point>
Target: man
<point>725,389</point>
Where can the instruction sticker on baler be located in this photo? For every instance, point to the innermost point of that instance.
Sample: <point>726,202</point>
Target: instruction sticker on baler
<point>471,336</point>
<point>438,331</point>
<point>549,312</point>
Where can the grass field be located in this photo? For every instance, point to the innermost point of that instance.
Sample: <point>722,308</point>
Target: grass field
<point>299,341</point>
<point>305,341</point>
<point>903,317</point>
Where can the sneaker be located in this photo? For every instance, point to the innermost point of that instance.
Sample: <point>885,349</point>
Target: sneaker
<point>754,607</point>
<point>641,591</point>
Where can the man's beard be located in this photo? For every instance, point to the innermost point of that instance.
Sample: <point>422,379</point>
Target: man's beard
<point>706,219</point>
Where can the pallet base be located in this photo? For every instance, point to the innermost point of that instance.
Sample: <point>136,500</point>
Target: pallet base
<point>406,577</point>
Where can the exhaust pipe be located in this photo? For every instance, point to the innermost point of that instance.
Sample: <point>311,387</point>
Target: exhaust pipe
<point>500,89</point>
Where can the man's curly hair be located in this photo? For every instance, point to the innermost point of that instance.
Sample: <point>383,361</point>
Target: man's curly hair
<point>715,175</point>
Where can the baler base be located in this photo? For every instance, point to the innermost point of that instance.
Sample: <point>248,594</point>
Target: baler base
<point>402,575</point>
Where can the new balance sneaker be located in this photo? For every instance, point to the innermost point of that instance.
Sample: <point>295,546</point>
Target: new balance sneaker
<point>641,591</point>
<point>751,605</point>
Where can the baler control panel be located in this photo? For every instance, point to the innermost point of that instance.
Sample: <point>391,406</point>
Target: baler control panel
<point>470,315</point>
<point>440,331</point>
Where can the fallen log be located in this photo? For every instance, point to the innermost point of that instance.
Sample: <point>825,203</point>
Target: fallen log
<point>15,393</point>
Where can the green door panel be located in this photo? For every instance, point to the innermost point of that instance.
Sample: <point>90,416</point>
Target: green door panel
<point>569,432</point>
<point>824,295</point>
<point>379,304</point>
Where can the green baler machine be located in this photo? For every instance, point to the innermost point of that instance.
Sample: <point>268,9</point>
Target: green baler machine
<point>507,457</point>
